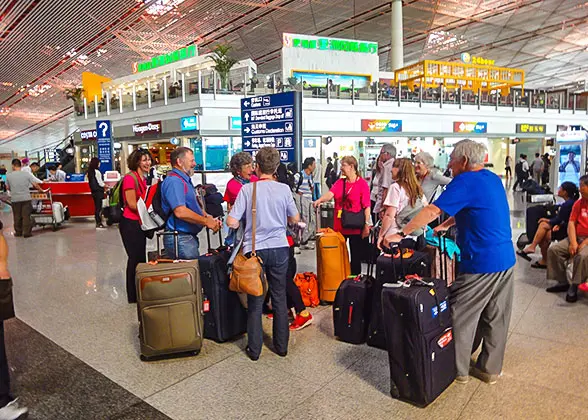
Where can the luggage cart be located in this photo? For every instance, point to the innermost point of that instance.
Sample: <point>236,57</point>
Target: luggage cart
<point>44,210</point>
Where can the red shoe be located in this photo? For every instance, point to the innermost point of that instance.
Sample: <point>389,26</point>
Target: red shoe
<point>301,322</point>
<point>270,315</point>
<point>583,287</point>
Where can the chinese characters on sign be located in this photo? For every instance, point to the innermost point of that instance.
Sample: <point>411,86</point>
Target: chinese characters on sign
<point>271,121</point>
<point>470,127</point>
<point>531,128</point>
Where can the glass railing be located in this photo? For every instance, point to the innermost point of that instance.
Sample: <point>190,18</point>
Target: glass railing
<point>191,86</point>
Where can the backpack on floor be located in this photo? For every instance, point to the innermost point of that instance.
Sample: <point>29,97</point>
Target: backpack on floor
<point>308,286</point>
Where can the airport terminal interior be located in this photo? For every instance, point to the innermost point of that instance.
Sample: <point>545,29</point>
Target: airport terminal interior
<point>83,83</point>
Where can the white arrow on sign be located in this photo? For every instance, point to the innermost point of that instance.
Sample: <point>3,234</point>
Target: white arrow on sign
<point>246,103</point>
<point>248,143</point>
<point>246,117</point>
<point>246,129</point>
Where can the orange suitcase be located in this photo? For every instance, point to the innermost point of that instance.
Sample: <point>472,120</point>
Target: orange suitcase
<point>332,263</point>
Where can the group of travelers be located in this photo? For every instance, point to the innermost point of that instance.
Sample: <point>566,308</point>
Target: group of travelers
<point>538,171</point>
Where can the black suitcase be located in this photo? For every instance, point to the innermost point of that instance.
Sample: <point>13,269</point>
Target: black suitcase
<point>224,316</point>
<point>390,270</point>
<point>419,337</point>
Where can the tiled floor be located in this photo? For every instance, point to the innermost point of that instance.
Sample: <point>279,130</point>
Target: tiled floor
<point>69,287</point>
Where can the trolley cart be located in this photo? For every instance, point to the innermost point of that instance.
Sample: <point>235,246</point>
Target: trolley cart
<point>45,210</point>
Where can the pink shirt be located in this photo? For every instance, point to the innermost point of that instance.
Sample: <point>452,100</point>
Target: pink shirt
<point>357,197</point>
<point>129,184</point>
<point>233,188</point>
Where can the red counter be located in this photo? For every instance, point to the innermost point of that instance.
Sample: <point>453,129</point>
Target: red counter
<point>75,195</point>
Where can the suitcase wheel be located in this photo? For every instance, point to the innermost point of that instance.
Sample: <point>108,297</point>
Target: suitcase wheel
<point>394,391</point>
<point>324,303</point>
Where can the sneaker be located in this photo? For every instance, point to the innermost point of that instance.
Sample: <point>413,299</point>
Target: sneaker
<point>296,250</point>
<point>308,246</point>
<point>572,295</point>
<point>12,411</point>
<point>488,378</point>
<point>301,322</point>
<point>558,288</point>
<point>462,379</point>
<point>100,226</point>
<point>270,315</point>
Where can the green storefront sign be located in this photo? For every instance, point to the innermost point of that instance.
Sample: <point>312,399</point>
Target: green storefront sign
<point>163,59</point>
<point>334,45</point>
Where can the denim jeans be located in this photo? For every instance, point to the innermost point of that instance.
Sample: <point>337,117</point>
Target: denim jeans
<point>188,246</point>
<point>275,263</point>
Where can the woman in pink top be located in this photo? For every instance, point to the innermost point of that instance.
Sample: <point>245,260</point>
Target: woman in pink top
<point>355,198</point>
<point>133,186</point>
<point>242,168</point>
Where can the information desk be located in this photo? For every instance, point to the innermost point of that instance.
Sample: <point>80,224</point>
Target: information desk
<point>76,196</point>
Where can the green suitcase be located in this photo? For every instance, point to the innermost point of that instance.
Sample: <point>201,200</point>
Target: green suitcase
<point>169,300</point>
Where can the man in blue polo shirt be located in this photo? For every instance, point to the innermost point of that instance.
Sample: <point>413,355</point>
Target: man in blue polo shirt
<point>179,198</point>
<point>481,296</point>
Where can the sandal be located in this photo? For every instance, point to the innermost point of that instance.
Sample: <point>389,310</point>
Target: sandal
<point>524,255</point>
<point>537,265</point>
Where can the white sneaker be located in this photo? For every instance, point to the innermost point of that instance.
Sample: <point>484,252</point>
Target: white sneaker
<point>12,411</point>
<point>296,250</point>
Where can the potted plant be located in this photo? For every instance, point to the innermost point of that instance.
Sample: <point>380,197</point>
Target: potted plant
<point>76,94</point>
<point>224,63</point>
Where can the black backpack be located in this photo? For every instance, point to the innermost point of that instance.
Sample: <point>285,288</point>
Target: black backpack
<point>519,170</point>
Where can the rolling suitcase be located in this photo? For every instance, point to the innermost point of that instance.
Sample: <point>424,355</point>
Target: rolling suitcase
<point>224,316</point>
<point>419,336</point>
<point>169,304</point>
<point>353,304</point>
<point>391,270</point>
<point>332,262</point>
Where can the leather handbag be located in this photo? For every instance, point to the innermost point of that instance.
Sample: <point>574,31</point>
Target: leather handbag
<point>247,275</point>
<point>351,219</point>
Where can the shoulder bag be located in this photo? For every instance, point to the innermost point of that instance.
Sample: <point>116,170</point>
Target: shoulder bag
<point>351,219</point>
<point>247,274</point>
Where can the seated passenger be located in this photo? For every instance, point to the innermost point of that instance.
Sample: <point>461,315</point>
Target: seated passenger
<point>574,247</point>
<point>557,225</point>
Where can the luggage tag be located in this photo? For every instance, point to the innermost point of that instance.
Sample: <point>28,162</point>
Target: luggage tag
<point>445,339</point>
<point>339,213</point>
<point>206,305</point>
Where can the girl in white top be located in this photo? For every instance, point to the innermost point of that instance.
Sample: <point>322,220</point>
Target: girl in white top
<point>406,191</point>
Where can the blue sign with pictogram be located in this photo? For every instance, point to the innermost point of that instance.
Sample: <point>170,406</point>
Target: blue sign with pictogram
<point>104,143</point>
<point>272,121</point>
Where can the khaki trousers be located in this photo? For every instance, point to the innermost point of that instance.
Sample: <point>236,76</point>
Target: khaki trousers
<point>557,258</point>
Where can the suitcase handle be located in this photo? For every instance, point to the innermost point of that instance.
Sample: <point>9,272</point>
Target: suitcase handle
<point>176,248</point>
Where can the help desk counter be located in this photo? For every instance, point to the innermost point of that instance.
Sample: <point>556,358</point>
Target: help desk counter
<point>75,193</point>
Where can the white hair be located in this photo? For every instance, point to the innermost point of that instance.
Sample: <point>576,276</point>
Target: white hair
<point>426,158</point>
<point>389,148</point>
<point>474,152</point>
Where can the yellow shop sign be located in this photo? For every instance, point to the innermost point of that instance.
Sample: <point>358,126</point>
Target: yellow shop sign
<point>469,59</point>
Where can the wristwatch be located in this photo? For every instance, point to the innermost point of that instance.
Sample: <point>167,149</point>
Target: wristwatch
<point>402,234</point>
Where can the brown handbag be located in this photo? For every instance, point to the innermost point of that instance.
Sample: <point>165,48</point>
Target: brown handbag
<point>247,274</point>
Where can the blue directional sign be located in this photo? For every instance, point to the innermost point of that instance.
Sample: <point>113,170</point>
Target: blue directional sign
<point>189,123</point>
<point>272,121</point>
<point>104,142</point>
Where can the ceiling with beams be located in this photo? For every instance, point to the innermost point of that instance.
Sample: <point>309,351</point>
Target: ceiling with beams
<point>45,45</point>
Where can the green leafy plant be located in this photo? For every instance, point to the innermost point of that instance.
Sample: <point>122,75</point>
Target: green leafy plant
<point>223,63</point>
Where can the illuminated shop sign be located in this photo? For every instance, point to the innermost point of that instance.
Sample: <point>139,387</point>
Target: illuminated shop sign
<point>163,59</point>
<point>153,127</point>
<point>189,123</point>
<point>329,44</point>
<point>394,126</point>
<point>468,59</point>
<point>531,128</point>
<point>470,127</point>
<point>88,134</point>
<point>235,123</point>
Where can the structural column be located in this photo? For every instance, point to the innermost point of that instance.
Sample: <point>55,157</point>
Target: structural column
<point>396,44</point>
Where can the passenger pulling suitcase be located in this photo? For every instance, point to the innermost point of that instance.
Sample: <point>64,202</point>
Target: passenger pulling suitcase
<point>332,262</point>
<point>169,301</point>
<point>224,316</point>
<point>391,270</point>
<point>419,336</point>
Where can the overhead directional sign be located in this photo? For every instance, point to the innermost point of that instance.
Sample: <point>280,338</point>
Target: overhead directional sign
<point>272,121</point>
<point>189,123</point>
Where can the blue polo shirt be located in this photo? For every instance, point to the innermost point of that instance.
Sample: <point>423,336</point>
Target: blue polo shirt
<point>176,191</point>
<point>478,202</point>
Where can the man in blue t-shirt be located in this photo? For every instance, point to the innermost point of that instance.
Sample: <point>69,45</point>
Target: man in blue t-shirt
<point>178,199</point>
<point>481,296</point>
